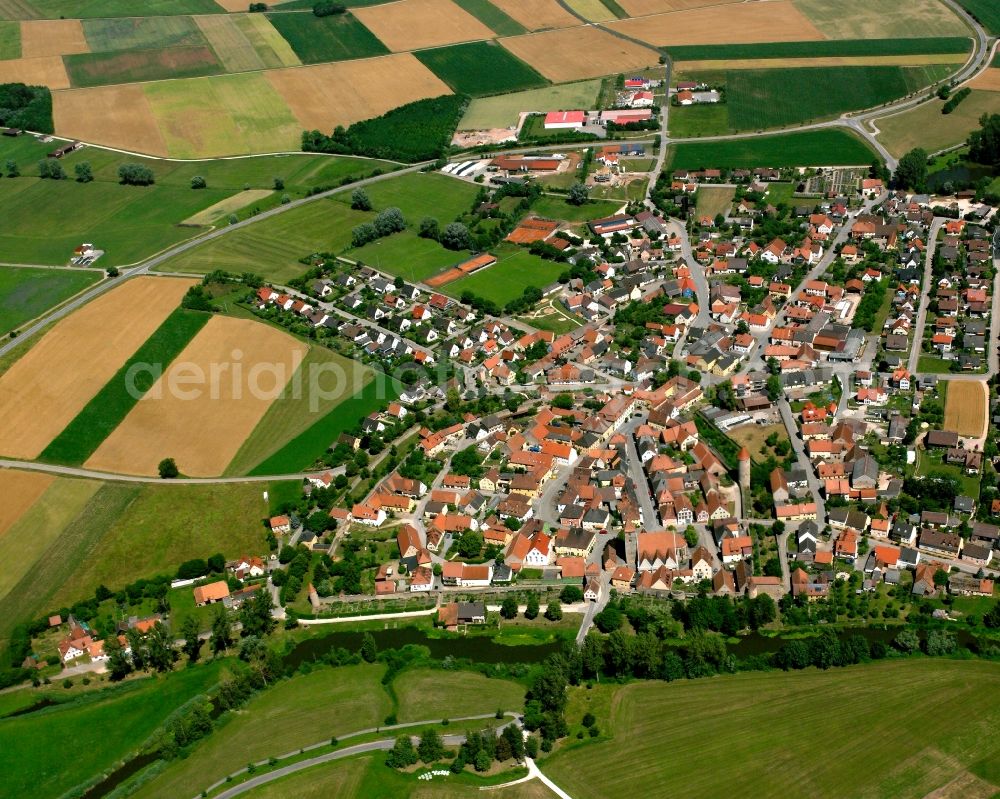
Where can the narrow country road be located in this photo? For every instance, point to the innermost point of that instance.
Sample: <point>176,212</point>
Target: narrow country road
<point>69,471</point>
<point>916,347</point>
<point>151,263</point>
<point>338,754</point>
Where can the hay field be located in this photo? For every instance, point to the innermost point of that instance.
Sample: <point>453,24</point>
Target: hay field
<point>875,19</point>
<point>537,15</point>
<point>139,66</point>
<point>216,211</point>
<point>925,126</point>
<point>243,365</point>
<point>116,116</point>
<point>42,392</point>
<point>501,111</point>
<point>965,408</point>
<point>593,10</point>
<point>231,45</point>
<point>273,50</point>
<point>326,95</point>
<point>712,200</point>
<point>233,5</point>
<point>47,71</point>
<point>778,21</point>
<point>575,53</point>
<point>18,9</point>
<point>988,81</point>
<point>908,751</point>
<point>416,24</point>
<point>142,33</point>
<point>10,40</point>
<point>223,115</point>
<point>19,490</point>
<point>41,38</point>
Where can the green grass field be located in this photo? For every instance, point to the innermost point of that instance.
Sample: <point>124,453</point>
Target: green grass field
<point>141,33</point>
<point>45,220</point>
<point>408,255</point>
<point>480,68</point>
<point>88,9</point>
<point>811,728</point>
<point>333,38</point>
<point>224,115</point>
<point>307,447</point>
<point>501,111</point>
<point>862,47</point>
<point>491,16</point>
<point>768,98</point>
<point>136,66</point>
<point>925,126</point>
<point>274,246</point>
<point>552,206</point>
<point>809,148</point>
<point>290,416</point>
<point>111,404</point>
<point>304,710</point>
<point>986,11</point>
<point>39,528</point>
<point>122,532</point>
<point>517,269</point>
<point>876,19</point>
<point>99,728</point>
<point>712,200</point>
<point>699,120</point>
<point>422,696</point>
<point>10,40</point>
<point>26,293</point>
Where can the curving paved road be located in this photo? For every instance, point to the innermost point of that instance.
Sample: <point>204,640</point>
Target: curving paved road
<point>338,754</point>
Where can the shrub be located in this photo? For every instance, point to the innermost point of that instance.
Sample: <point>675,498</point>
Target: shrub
<point>136,175</point>
<point>198,182</point>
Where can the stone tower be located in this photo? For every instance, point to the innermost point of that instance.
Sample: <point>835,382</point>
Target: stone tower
<point>744,458</point>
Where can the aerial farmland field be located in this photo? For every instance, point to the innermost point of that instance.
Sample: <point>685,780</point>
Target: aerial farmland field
<point>20,490</point>
<point>416,24</point>
<point>142,33</point>
<point>334,38</point>
<point>831,147</point>
<point>903,761</point>
<point>575,53</point>
<point>100,69</point>
<point>966,407</point>
<point>501,111</point>
<point>925,126</point>
<point>114,325</point>
<point>872,19</point>
<point>507,279</point>
<point>202,429</point>
<point>480,68</point>
<point>537,14</point>
<point>25,293</point>
<point>50,37</point>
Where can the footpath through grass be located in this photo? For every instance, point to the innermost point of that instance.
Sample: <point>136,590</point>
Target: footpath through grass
<point>111,404</point>
<point>26,293</point>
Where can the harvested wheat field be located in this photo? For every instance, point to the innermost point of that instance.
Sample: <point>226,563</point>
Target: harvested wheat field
<point>19,491</point>
<point>203,423</point>
<point>642,8</point>
<point>988,80</point>
<point>537,14</point>
<point>965,408</point>
<point>326,95</point>
<point>48,71</point>
<point>43,391</point>
<point>416,24</point>
<point>575,53</point>
<point>115,116</point>
<point>778,21</point>
<point>45,37</point>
